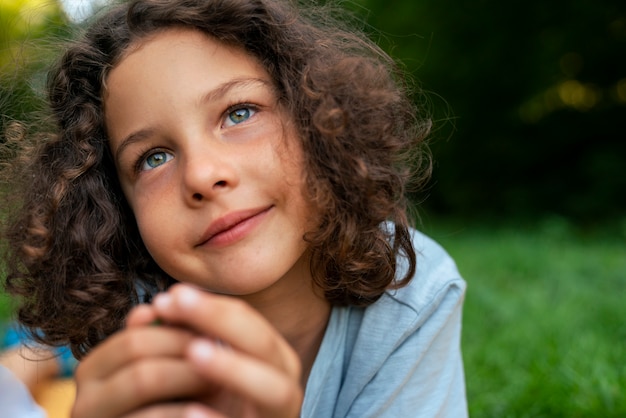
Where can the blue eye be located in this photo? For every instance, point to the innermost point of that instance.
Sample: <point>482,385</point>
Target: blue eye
<point>238,115</point>
<point>155,159</point>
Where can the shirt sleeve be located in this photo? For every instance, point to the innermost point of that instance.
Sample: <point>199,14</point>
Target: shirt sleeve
<point>423,377</point>
<point>15,399</point>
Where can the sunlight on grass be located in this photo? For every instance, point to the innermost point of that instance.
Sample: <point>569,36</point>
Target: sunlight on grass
<point>544,332</point>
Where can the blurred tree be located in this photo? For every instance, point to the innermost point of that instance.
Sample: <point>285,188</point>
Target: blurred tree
<point>27,32</point>
<point>537,92</point>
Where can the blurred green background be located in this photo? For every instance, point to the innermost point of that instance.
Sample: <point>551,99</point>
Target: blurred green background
<point>529,189</point>
<point>534,95</point>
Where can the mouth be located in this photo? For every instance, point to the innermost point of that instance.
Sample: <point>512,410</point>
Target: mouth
<point>233,227</point>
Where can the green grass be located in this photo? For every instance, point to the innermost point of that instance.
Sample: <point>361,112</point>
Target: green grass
<point>544,332</point>
<point>5,308</point>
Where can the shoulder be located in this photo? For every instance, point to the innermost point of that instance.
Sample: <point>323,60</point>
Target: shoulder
<point>417,312</point>
<point>436,278</point>
<point>402,353</point>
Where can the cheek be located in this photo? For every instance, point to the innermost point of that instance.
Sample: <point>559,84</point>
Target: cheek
<point>148,235</point>
<point>152,196</point>
<point>295,183</point>
<point>153,222</point>
<point>139,214</point>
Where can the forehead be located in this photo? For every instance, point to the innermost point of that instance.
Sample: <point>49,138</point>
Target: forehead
<point>175,67</point>
<point>170,46</point>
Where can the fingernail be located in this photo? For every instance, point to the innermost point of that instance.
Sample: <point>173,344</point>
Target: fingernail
<point>194,412</point>
<point>201,351</point>
<point>187,296</point>
<point>162,301</point>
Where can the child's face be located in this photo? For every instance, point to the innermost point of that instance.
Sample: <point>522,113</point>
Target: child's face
<point>209,163</point>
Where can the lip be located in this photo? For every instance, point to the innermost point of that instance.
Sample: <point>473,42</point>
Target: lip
<point>232,227</point>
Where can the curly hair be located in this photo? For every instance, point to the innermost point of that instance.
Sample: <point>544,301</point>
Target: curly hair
<point>73,253</point>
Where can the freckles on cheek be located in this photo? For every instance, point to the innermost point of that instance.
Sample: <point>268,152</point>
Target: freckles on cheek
<point>144,216</point>
<point>139,205</point>
<point>151,241</point>
<point>154,210</point>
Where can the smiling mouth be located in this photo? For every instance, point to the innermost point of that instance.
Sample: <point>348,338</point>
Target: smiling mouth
<point>233,227</point>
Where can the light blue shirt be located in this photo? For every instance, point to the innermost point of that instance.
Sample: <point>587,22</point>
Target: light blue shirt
<point>15,399</point>
<point>399,357</point>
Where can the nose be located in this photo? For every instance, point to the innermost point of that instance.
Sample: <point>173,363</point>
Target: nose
<point>207,173</point>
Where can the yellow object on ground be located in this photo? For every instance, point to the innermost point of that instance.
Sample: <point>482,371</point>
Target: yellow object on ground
<point>56,397</point>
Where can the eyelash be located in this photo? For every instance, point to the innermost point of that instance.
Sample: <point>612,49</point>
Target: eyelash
<point>144,154</point>
<point>239,106</point>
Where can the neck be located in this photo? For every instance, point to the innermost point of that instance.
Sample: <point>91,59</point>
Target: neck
<point>300,314</point>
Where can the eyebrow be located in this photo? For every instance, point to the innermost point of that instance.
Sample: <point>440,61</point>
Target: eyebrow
<point>212,95</point>
<point>223,89</point>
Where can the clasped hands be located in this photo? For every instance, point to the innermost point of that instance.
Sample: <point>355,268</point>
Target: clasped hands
<point>212,356</point>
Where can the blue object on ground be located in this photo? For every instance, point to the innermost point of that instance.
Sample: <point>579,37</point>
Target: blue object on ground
<point>14,336</point>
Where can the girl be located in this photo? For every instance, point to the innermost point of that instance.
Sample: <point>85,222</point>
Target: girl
<point>234,170</point>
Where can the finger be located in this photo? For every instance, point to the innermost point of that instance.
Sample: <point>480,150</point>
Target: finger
<point>132,344</point>
<point>264,385</point>
<point>177,410</point>
<point>143,314</point>
<point>139,385</point>
<point>229,320</point>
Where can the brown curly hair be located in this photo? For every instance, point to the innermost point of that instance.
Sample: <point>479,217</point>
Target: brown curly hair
<point>72,249</point>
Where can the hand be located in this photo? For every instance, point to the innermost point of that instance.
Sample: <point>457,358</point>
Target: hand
<point>179,369</point>
<point>133,369</point>
<point>237,350</point>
